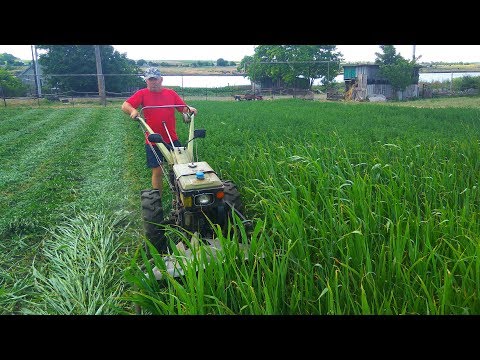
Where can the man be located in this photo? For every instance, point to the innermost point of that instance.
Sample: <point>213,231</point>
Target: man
<point>156,95</point>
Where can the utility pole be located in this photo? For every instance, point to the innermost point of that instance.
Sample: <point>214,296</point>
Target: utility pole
<point>35,72</point>
<point>100,78</point>
<point>39,83</point>
<point>451,83</point>
<point>3,94</point>
<point>413,56</point>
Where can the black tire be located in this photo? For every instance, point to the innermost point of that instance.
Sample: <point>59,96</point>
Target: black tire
<point>152,213</point>
<point>232,195</point>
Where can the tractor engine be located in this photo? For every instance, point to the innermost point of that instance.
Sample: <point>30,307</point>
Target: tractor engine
<point>201,194</point>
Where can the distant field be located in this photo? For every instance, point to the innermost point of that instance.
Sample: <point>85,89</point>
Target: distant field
<point>231,70</point>
<point>473,67</point>
<point>209,70</point>
<point>180,67</point>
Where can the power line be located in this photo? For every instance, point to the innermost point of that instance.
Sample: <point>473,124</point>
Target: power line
<point>294,62</point>
<point>93,74</point>
<point>164,75</point>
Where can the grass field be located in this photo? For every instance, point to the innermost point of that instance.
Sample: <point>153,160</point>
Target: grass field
<point>359,209</point>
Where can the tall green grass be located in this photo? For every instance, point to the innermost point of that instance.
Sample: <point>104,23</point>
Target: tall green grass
<point>80,271</point>
<point>358,209</point>
<point>56,164</point>
<point>365,211</point>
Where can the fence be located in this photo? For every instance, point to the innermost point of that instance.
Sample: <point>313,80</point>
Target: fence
<point>73,97</point>
<point>78,97</point>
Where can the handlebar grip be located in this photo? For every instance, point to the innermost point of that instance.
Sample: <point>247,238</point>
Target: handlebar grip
<point>157,138</point>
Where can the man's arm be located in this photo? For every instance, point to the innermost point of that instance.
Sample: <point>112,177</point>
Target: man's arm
<point>127,108</point>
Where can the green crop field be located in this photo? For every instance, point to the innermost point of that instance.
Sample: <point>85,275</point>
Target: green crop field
<point>358,209</point>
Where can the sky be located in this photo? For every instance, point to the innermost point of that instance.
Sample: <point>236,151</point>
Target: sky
<point>351,53</point>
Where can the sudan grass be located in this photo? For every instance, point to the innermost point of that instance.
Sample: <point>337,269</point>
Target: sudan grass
<point>363,210</point>
<point>80,271</point>
<point>230,282</point>
<point>357,208</point>
<point>381,244</point>
<point>457,102</point>
<point>16,290</point>
<point>68,166</point>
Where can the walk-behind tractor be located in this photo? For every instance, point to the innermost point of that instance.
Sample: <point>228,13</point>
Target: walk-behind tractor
<point>201,201</point>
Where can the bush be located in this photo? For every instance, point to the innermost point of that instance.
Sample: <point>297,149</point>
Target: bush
<point>466,82</point>
<point>11,86</point>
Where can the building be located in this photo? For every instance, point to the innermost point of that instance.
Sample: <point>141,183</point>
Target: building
<point>27,77</point>
<point>363,81</point>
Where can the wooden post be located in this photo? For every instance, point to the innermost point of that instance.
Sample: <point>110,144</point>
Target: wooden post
<point>34,65</point>
<point>451,83</point>
<point>3,96</point>
<point>183,90</point>
<point>37,74</point>
<point>100,78</point>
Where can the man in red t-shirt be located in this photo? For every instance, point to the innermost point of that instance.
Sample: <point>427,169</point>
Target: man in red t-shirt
<point>155,95</point>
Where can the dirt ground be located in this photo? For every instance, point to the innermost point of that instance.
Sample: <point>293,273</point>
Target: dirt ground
<point>210,70</point>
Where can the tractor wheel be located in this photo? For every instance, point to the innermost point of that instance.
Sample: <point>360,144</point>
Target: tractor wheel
<point>152,213</point>
<point>232,195</point>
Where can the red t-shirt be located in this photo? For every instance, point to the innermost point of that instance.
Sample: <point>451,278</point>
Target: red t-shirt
<point>156,116</point>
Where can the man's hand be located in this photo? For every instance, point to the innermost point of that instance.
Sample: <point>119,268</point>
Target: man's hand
<point>191,109</point>
<point>134,114</point>
<point>186,118</point>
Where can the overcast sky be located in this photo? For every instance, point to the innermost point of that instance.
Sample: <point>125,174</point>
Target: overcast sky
<point>351,53</point>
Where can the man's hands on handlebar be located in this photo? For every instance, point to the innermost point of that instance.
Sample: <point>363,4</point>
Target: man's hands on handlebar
<point>191,110</point>
<point>187,115</point>
<point>134,114</point>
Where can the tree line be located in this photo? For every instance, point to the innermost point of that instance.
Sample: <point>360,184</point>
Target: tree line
<point>66,67</point>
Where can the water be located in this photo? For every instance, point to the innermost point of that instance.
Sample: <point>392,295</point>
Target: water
<point>209,81</point>
<point>424,77</point>
<point>212,81</point>
<point>429,77</point>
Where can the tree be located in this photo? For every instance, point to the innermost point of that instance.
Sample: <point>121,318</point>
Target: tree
<point>72,62</point>
<point>288,63</point>
<point>389,55</point>
<point>399,71</point>
<point>9,59</point>
<point>11,86</point>
<point>244,63</point>
<point>221,62</point>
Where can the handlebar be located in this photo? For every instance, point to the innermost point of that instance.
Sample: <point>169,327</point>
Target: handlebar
<point>165,107</point>
<point>157,138</point>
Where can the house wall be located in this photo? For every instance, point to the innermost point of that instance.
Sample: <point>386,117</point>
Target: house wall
<point>368,83</point>
<point>410,91</point>
<point>380,89</point>
<point>28,78</point>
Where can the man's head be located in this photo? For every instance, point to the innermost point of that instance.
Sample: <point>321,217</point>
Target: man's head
<point>153,78</point>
